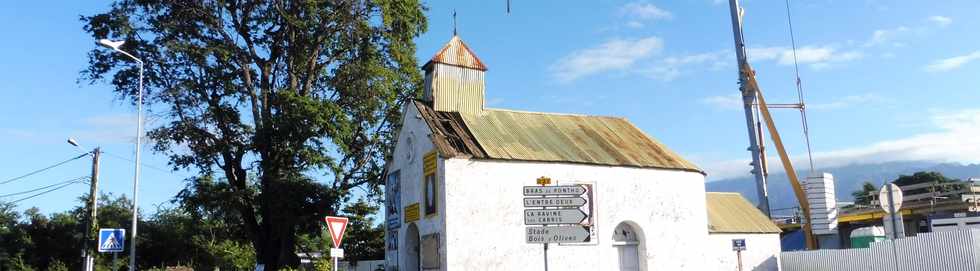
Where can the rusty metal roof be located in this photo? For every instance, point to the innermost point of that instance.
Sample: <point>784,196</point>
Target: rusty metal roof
<point>456,53</point>
<point>549,137</point>
<point>732,213</point>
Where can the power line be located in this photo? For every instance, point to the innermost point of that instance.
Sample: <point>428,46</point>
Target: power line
<point>45,192</point>
<point>143,164</point>
<point>79,179</point>
<point>44,169</point>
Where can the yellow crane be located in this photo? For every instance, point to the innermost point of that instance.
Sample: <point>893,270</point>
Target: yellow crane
<point>752,97</point>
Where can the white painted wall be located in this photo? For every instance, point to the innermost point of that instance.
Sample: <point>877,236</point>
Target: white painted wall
<point>762,251</point>
<point>407,160</point>
<point>485,226</point>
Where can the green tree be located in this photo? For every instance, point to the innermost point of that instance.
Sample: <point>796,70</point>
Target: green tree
<point>864,196</point>
<point>365,238</point>
<point>922,177</point>
<point>270,95</point>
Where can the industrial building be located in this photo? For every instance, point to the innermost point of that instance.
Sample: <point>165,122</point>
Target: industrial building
<point>459,174</point>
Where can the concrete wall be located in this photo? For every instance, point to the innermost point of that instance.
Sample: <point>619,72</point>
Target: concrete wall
<point>762,251</point>
<point>485,227</point>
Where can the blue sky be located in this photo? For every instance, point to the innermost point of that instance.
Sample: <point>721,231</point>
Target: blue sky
<point>884,81</point>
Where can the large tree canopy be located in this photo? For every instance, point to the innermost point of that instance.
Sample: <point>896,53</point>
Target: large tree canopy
<point>291,103</point>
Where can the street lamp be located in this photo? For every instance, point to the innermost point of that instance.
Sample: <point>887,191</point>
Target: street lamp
<point>114,45</point>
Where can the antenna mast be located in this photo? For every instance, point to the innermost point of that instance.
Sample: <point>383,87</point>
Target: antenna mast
<point>749,101</point>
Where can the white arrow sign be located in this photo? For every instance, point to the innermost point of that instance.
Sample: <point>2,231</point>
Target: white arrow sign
<point>553,216</point>
<point>554,202</point>
<point>557,190</point>
<point>557,234</point>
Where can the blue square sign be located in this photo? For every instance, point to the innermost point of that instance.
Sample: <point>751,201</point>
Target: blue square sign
<point>112,240</point>
<point>738,244</point>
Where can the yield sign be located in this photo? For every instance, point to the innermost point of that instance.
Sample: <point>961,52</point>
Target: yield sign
<point>337,225</point>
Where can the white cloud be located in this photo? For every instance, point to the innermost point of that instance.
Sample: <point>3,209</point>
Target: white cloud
<point>882,36</point>
<point>954,141</point>
<point>848,101</point>
<point>618,54</point>
<point>941,21</point>
<point>645,11</point>
<point>634,24</point>
<point>952,63</point>
<point>115,128</point>
<point>732,101</point>
<point>669,68</point>
<point>817,57</point>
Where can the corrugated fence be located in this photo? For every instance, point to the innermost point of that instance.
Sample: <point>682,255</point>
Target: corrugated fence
<point>947,251</point>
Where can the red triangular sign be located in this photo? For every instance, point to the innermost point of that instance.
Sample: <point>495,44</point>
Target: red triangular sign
<point>337,226</point>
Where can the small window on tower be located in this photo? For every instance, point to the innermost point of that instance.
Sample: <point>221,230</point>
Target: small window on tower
<point>429,186</point>
<point>430,194</point>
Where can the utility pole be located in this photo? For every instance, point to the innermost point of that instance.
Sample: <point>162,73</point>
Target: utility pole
<point>93,207</point>
<point>749,101</point>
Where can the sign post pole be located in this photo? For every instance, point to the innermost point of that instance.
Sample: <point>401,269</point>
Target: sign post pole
<point>739,254</point>
<point>738,245</point>
<point>544,181</point>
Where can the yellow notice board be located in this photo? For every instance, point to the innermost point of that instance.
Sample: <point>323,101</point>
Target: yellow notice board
<point>412,212</point>
<point>429,163</point>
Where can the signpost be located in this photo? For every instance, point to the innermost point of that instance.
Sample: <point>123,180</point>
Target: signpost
<point>337,226</point>
<point>554,202</point>
<point>557,234</point>
<point>559,206</point>
<point>890,199</point>
<point>738,245</point>
<point>112,240</point>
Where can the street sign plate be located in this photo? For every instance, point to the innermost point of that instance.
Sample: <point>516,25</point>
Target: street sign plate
<point>553,216</point>
<point>738,244</point>
<point>337,226</point>
<point>337,252</point>
<point>554,202</point>
<point>884,201</point>
<point>557,190</point>
<point>112,240</point>
<point>557,234</point>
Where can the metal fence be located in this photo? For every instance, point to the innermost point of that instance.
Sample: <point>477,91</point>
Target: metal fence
<point>947,251</point>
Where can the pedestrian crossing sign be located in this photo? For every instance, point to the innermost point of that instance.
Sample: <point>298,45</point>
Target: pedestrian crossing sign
<point>112,240</point>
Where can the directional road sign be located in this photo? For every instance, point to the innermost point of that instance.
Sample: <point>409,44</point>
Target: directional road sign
<point>553,216</point>
<point>557,234</point>
<point>112,240</point>
<point>554,202</point>
<point>557,190</point>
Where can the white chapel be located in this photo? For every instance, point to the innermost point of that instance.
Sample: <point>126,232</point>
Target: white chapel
<point>455,197</point>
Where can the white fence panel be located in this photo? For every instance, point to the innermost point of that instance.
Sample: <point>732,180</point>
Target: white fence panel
<point>948,251</point>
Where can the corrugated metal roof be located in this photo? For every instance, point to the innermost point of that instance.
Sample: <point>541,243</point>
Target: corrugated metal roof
<point>732,213</point>
<point>532,136</point>
<point>456,53</point>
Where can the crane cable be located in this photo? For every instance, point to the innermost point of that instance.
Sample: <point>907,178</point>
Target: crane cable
<point>799,88</point>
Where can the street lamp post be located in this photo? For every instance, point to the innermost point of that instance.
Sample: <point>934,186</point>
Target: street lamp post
<point>114,45</point>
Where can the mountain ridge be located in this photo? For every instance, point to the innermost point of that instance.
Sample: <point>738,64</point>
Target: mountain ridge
<point>847,179</point>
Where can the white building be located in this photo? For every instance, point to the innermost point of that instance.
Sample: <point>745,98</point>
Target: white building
<point>731,217</point>
<point>455,184</point>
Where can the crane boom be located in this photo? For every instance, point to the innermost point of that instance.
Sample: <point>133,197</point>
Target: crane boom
<point>787,164</point>
<point>752,95</point>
